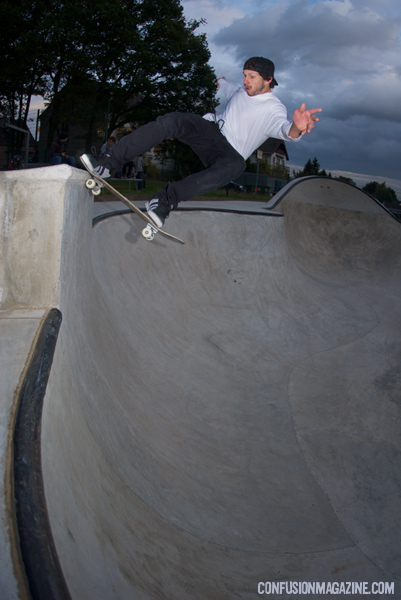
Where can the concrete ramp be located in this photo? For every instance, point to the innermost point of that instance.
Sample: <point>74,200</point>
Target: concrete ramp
<point>226,414</point>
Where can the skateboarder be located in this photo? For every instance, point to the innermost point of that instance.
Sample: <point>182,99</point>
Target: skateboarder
<point>222,141</point>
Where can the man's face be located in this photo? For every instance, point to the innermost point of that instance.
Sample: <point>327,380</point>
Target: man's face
<point>255,84</point>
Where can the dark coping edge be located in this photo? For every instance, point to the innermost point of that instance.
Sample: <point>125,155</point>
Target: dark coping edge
<point>125,211</point>
<point>42,568</point>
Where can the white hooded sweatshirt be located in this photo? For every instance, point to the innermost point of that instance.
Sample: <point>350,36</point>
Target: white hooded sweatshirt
<point>247,121</point>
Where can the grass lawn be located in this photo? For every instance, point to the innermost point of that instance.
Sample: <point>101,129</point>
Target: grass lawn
<point>153,185</point>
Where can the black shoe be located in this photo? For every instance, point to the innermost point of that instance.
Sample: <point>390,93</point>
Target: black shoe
<point>158,210</point>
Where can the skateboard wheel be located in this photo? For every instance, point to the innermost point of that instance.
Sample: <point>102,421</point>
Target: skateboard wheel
<point>148,233</point>
<point>96,191</point>
<point>90,184</point>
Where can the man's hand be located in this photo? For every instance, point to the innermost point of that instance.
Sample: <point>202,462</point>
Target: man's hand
<point>303,121</point>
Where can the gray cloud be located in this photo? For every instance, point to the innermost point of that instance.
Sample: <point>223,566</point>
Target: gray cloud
<point>344,56</point>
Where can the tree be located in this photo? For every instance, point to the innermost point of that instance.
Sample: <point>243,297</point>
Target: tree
<point>346,179</point>
<point>23,57</point>
<point>129,59</point>
<point>380,191</point>
<point>276,170</point>
<point>311,168</point>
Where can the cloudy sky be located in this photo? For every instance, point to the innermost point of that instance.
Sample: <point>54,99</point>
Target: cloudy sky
<point>342,56</point>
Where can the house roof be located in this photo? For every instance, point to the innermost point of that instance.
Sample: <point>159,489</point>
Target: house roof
<point>272,145</point>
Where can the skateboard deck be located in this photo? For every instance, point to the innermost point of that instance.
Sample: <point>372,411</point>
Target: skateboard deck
<point>151,229</point>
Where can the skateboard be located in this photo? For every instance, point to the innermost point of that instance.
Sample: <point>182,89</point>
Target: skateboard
<point>151,228</point>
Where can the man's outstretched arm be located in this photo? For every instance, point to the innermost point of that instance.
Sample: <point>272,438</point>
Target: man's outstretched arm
<point>303,121</point>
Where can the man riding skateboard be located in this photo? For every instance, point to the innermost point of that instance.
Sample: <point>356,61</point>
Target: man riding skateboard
<point>223,141</point>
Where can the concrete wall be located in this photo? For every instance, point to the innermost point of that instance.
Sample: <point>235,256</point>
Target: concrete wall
<point>44,215</point>
<point>37,208</point>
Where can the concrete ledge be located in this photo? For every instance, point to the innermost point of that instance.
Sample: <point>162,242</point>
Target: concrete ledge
<point>36,207</point>
<point>36,240</point>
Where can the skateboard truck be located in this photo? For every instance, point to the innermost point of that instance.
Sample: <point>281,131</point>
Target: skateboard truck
<point>149,232</point>
<point>93,186</point>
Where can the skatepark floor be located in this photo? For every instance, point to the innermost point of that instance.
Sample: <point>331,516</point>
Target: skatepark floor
<point>227,412</point>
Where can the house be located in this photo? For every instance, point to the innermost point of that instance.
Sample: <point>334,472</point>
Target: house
<point>274,152</point>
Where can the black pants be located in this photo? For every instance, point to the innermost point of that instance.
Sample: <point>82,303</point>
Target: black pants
<point>222,162</point>
<point>127,168</point>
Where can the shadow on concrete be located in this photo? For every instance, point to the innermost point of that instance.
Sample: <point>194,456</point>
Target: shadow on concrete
<point>227,412</point>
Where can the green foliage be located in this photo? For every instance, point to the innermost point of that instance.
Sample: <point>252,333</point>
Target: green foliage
<point>265,168</point>
<point>346,179</point>
<point>130,60</point>
<point>312,167</point>
<point>22,56</point>
<point>186,161</point>
<point>386,195</point>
